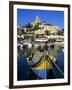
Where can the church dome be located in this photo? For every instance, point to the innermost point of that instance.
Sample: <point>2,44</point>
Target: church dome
<point>37,20</point>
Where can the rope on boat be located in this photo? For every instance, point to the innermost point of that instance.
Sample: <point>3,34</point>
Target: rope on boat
<point>49,60</point>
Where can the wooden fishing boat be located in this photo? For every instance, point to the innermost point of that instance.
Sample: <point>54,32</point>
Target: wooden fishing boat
<point>41,63</point>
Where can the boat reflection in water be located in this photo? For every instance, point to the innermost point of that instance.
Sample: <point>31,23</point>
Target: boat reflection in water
<point>42,63</point>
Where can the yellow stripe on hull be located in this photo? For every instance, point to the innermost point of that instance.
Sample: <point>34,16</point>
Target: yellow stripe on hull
<point>44,65</point>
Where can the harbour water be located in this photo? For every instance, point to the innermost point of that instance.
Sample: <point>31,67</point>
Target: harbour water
<point>26,72</point>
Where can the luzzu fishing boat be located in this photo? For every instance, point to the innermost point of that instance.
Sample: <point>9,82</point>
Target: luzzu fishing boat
<point>41,63</point>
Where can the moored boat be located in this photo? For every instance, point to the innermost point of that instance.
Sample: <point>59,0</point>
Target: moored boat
<point>41,63</point>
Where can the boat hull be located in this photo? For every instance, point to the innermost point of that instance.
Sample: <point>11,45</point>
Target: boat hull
<point>41,73</point>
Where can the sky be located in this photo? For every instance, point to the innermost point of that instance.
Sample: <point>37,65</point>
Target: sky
<point>25,16</point>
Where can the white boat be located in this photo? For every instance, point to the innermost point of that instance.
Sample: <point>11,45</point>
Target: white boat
<point>59,39</point>
<point>41,39</point>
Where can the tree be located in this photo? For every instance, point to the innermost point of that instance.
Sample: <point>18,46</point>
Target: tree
<point>63,30</point>
<point>36,27</point>
<point>60,33</point>
<point>29,25</point>
<point>22,31</point>
<point>47,32</point>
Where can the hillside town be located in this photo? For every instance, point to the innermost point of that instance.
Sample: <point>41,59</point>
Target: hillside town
<point>38,33</point>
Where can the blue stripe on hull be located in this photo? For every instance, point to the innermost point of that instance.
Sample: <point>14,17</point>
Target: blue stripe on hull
<point>42,73</point>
